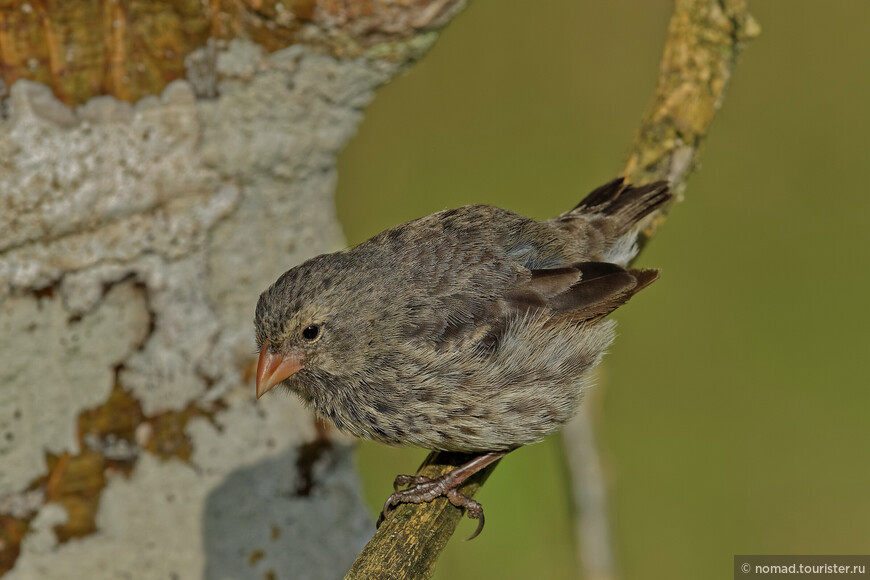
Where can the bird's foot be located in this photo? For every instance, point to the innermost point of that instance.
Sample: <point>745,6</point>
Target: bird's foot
<point>424,489</point>
<point>410,480</point>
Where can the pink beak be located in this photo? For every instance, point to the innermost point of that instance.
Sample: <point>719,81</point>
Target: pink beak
<point>275,368</point>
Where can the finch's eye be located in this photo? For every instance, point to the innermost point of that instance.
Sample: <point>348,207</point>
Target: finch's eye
<point>311,332</point>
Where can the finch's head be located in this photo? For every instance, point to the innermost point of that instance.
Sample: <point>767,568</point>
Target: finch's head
<point>306,323</point>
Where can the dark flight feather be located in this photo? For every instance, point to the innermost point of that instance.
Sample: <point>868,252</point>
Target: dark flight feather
<point>627,203</point>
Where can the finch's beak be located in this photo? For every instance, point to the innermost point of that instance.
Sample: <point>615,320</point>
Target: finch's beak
<point>274,368</point>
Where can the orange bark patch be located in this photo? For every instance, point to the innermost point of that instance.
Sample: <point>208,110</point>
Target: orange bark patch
<point>76,482</point>
<point>12,531</point>
<point>124,48</point>
<point>168,438</point>
<point>133,48</point>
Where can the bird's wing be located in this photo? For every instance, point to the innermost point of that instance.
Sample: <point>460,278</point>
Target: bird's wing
<point>582,293</point>
<point>485,266</point>
<point>597,289</point>
<point>454,314</point>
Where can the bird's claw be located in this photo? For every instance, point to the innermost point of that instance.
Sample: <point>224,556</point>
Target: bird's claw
<point>425,489</point>
<point>473,509</point>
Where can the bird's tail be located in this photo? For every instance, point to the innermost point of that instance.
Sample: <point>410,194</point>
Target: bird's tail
<point>626,204</point>
<point>607,219</point>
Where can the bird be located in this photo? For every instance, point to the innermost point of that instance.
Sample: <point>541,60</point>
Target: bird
<point>472,329</point>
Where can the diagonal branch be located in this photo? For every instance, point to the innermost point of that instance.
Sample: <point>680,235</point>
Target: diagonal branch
<point>704,39</point>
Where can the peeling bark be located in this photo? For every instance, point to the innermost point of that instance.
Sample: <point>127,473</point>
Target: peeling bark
<point>133,48</point>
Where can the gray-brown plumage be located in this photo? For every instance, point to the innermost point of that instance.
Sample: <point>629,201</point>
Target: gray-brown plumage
<point>472,329</point>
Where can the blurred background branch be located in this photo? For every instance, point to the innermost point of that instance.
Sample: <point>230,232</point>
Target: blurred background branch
<point>703,43</point>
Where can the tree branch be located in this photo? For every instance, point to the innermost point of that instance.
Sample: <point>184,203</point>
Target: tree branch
<point>704,39</point>
<point>589,493</point>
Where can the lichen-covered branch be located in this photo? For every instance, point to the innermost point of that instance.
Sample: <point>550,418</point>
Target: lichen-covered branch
<point>704,39</point>
<point>701,49</point>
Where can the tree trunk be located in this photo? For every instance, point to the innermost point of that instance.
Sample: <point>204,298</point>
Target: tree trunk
<point>135,238</point>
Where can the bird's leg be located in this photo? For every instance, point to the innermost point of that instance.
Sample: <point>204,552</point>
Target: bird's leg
<point>424,489</point>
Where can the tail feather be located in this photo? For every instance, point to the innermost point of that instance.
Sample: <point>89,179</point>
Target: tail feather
<point>626,203</point>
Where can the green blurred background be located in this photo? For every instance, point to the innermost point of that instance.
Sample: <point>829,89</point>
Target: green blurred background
<point>734,414</point>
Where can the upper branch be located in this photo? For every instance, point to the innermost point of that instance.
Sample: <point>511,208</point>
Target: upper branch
<point>704,40</point>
